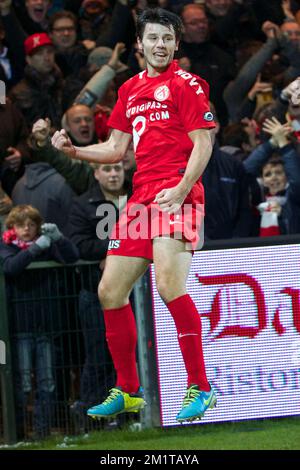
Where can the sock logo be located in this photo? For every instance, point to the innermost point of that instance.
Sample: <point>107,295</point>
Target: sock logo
<point>187,334</point>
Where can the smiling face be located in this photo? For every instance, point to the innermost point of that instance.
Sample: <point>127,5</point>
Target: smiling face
<point>158,45</point>
<point>274,178</point>
<point>37,9</point>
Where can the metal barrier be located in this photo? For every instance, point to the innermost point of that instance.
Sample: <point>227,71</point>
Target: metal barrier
<point>56,360</point>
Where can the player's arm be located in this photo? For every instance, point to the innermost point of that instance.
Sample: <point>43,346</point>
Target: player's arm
<point>198,160</point>
<point>111,151</point>
<point>171,199</point>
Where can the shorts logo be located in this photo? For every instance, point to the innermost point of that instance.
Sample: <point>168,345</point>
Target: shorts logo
<point>162,93</point>
<point>114,244</point>
<point>208,116</point>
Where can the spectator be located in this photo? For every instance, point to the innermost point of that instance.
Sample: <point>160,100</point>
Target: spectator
<point>33,16</point>
<point>207,60</point>
<point>33,318</point>
<point>70,54</point>
<point>98,372</point>
<point>10,68</point>
<point>232,22</point>
<point>94,21</point>
<point>227,195</point>
<point>39,94</point>
<point>99,80</point>
<point>79,175</point>
<point>276,62</point>
<point>22,20</point>
<point>45,189</point>
<point>14,151</point>
<point>280,180</point>
<point>79,120</point>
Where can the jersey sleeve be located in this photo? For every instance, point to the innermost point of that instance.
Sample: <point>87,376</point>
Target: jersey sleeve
<point>118,119</point>
<point>193,105</point>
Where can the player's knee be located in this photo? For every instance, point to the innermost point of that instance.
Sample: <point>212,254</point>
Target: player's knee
<point>111,296</point>
<point>104,294</point>
<point>165,289</point>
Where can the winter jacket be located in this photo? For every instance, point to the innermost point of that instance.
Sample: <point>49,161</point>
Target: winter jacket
<point>42,187</point>
<point>39,96</point>
<point>227,206</point>
<point>33,293</point>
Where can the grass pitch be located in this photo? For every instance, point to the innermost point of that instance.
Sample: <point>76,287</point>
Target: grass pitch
<point>269,434</point>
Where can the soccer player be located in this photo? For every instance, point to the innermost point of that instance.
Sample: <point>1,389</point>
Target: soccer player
<point>165,110</point>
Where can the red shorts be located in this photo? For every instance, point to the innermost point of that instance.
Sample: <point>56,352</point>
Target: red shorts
<point>142,220</point>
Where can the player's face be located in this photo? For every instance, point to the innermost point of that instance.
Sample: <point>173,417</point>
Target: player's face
<point>158,46</point>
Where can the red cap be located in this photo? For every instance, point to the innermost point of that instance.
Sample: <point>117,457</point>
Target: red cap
<point>35,41</point>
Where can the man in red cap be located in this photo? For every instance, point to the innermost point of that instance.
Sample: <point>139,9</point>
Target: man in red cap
<point>38,95</point>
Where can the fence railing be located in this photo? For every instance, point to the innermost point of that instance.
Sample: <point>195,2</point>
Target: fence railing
<point>56,359</point>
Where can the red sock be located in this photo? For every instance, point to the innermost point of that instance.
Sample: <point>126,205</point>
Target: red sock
<point>188,325</point>
<point>121,337</point>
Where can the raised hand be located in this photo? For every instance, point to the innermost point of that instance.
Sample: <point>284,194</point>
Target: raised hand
<point>61,141</point>
<point>51,231</point>
<point>278,131</point>
<point>41,131</point>
<point>292,92</point>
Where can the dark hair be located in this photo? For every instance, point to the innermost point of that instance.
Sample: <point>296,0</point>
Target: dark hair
<point>159,16</point>
<point>274,160</point>
<point>62,14</point>
<point>234,134</point>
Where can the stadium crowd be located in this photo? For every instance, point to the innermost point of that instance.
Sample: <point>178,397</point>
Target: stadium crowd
<point>62,62</point>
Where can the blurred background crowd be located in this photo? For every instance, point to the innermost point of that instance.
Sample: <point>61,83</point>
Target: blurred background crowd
<point>65,60</point>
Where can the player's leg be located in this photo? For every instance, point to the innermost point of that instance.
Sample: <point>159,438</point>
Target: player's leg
<point>119,276</point>
<point>172,264</point>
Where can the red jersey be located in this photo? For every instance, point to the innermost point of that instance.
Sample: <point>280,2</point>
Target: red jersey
<point>159,112</point>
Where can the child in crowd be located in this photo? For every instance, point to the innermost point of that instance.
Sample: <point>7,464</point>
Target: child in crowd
<point>33,306</point>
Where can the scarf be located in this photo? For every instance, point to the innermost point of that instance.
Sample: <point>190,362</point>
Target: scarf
<point>9,237</point>
<point>269,225</point>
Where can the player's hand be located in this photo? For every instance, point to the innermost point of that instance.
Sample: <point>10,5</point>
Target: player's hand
<point>61,141</point>
<point>41,131</point>
<point>170,200</point>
